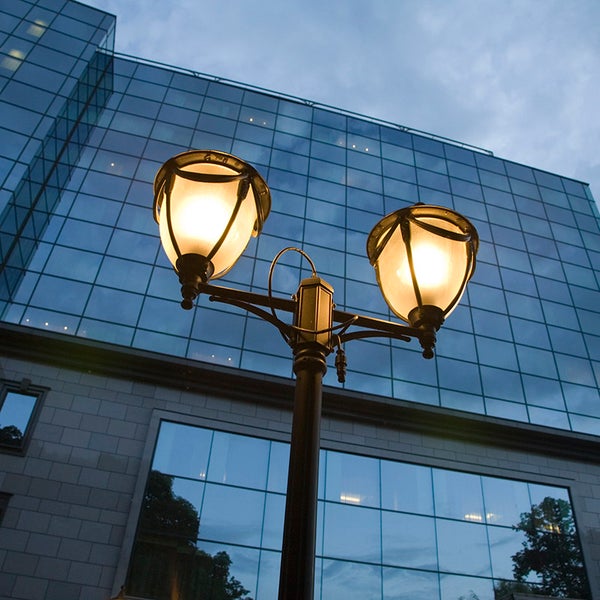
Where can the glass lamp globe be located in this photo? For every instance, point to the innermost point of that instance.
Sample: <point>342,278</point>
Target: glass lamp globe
<point>208,205</point>
<point>423,257</point>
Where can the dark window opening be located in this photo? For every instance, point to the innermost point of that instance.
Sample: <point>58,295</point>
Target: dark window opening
<point>19,404</point>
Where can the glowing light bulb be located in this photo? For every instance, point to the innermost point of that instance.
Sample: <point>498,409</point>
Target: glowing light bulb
<point>204,220</point>
<point>431,267</point>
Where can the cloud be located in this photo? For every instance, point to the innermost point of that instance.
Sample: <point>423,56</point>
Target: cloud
<point>517,77</point>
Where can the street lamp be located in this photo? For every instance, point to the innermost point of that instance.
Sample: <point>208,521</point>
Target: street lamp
<point>208,204</point>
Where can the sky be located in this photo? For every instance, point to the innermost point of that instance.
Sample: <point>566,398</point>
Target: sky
<point>518,77</point>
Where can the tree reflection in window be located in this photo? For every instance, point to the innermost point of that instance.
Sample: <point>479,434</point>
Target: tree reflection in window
<point>166,564</point>
<point>11,436</point>
<point>551,552</point>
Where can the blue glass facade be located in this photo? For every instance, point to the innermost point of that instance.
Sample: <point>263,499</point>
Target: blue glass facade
<point>523,345</point>
<point>83,132</point>
<point>385,529</point>
<point>56,76</point>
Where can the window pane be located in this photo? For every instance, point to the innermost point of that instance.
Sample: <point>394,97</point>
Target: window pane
<point>278,467</point>
<point>15,414</point>
<point>239,460</point>
<point>406,488</point>
<point>352,533</point>
<point>458,495</point>
<point>463,548</point>
<point>504,544</point>
<point>352,479</point>
<point>182,450</point>
<point>465,588</point>
<point>350,581</point>
<point>403,584</point>
<point>408,541</point>
<point>232,515</point>
<point>505,500</point>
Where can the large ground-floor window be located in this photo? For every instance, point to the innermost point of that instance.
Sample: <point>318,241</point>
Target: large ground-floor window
<point>212,521</point>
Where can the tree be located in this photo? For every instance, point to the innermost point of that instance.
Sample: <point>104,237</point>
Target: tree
<point>551,549</point>
<point>11,436</point>
<point>166,564</point>
<point>504,590</point>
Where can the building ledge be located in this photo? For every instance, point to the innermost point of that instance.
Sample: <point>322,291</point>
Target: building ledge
<point>132,364</point>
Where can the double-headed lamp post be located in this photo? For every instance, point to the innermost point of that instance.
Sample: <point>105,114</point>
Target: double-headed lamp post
<point>208,204</point>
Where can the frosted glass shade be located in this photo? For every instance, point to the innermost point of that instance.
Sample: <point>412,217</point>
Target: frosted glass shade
<point>209,204</point>
<point>423,257</point>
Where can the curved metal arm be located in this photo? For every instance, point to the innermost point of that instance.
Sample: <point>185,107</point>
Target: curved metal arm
<point>369,333</point>
<point>284,328</point>
<point>368,327</point>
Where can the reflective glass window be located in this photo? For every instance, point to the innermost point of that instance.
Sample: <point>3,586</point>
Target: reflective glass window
<point>462,171</point>
<point>399,171</point>
<point>239,460</point>
<point>560,315</point>
<point>500,383</point>
<point>408,541</point>
<point>352,533</point>
<point>232,515</point>
<point>460,154</point>
<point>329,118</point>
<point>398,153</point>
<point>516,281</point>
<point>458,496</point>
<point>363,180</point>
<point>490,163</point>
<point>330,136</point>
<point>495,180</point>
<point>293,143</point>
<point>424,144</point>
<point>505,409</point>
<point>460,376</point>
<point>558,198</point>
<point>520,172</point>
<point>401,189</point>
<point>522,188</point>
<point>73,263</point>
<point>352,479</point>
<point>350,581</point>
<point>113,305</point>
<point>536,362</point>
<point>278,467</point>
<point>416,585</point>
<point>233,520</point>
<point>498,198</point>
<point>486,297</point>
<point>511,252</point>
<point>433,180</point>
<point>504,500</point>
<point>17,409</point>
<point>474,558</point>
<point>466,188</point>
<point>177,440</point>
<point>457,345</point>
<point>531,333</point>
<point>364,161</point>
<point>496,352</point>
<point>406,488</point>
<point>453,587</point>
<point>62,295</point>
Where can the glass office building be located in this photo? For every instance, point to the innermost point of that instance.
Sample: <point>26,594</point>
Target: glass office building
<point>146,446</point>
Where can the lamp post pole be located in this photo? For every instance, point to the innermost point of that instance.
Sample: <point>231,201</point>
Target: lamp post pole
<point>311,343</point>
<point>297,572</point>
<point>209,203</point>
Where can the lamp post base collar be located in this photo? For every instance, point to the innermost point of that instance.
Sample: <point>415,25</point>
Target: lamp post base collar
<point>428,319</point>
<point>193,269</point>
